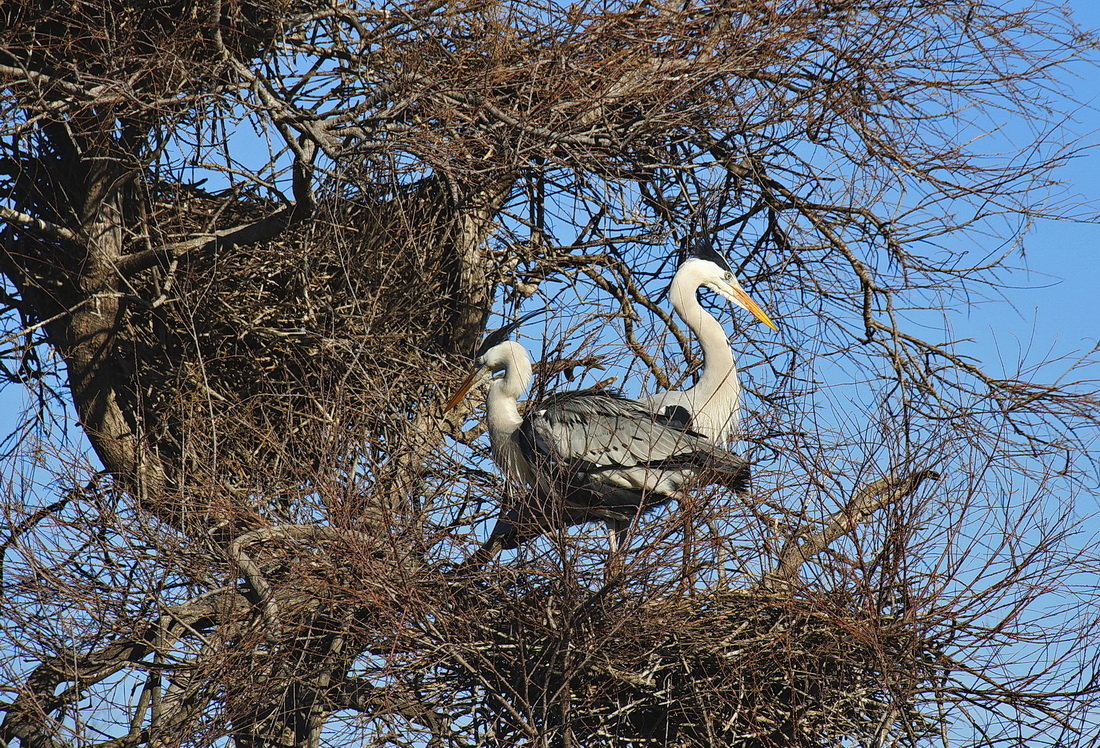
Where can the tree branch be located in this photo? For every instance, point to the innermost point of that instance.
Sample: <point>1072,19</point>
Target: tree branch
<point>39,697</point>
<point>866,500</point>
<point>251,570</point>
<point>248,233</point>
<point>38,226</point>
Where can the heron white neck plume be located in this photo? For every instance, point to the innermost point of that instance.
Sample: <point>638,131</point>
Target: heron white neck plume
<point>505,391</point>
<point>713,405</point>
<point>718,389</point>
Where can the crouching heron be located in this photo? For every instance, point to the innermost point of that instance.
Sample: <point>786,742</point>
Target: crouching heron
<point>583,455</point>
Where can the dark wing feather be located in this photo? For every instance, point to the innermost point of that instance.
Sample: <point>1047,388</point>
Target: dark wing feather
<point>584,446</point>
<point>676,416</point>
<point>599,450</point>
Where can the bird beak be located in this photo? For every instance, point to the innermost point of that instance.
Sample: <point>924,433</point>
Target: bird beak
<point>742,298</point>
<point>464,389</point>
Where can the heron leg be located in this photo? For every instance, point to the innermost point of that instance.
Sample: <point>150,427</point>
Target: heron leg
<point>721,554</point>
<point>616,546</point>
<point>616,529</point>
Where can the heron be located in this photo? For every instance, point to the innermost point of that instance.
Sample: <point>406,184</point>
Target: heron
<point>712,406</point>
<point>582,455</point>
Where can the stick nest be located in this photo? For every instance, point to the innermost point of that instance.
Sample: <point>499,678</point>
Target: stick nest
<point>725,667</point>
<point>272,360</point>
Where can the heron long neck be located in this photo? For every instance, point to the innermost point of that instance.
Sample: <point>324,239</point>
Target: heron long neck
<point>503,408</point>
<point>718,391</point>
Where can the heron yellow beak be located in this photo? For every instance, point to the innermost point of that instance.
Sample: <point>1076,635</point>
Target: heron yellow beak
<point>753,307</point>
<point>464,389</point>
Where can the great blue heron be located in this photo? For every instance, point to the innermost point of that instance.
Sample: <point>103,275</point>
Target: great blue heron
<point>712,406</point>
<point>583,455</point>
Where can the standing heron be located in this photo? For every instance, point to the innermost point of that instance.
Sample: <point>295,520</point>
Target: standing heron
<point>712,406</point>
<point>584,455</point>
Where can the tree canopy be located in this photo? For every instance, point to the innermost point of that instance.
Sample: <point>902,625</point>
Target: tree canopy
<point>252,246</point>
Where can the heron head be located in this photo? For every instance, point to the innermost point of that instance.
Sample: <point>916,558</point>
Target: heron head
<point>496,353</point>
<point>705,266</point>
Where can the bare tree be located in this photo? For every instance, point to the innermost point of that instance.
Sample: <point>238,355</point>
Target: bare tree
<point>252,245</point>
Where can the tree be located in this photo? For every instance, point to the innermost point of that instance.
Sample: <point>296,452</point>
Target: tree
<point>255,349</point>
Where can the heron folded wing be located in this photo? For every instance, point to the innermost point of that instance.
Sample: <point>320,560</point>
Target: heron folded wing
<point>614,441</point>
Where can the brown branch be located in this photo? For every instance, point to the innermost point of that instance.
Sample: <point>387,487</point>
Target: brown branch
<point>866,500</point>
<point>12,75</point>
<point>31,328</point>
<point>38,226</point>
<point>28,524</point>
<point>255,232</point>
<point>251,570</point>
<point>27,717</point>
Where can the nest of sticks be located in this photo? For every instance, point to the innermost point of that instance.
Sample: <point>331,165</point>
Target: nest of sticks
<point>725,667</point>
<point>269,362</point>
<point>165,47</point>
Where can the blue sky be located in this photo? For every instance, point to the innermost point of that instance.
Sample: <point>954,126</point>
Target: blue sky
<point>1056,309</point>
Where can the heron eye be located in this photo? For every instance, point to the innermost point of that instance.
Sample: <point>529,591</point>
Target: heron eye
<point>729,276</point>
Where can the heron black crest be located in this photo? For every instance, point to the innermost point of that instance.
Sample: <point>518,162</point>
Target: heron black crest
<point>702,249</point>
<point>498,336</point>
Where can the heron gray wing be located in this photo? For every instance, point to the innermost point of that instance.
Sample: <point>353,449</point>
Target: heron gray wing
<point>603,437</point>
<point>592,430</point>
<point>597,455</point>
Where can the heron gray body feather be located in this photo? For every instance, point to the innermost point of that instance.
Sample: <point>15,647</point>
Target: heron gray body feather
<point>597,455</point>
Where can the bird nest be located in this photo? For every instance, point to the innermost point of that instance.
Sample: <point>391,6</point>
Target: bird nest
<point>270,360</point>
<point>169,47</point>
<point>725,667</point>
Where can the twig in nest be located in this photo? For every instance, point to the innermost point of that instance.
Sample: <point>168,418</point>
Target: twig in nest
<point>261,590</point>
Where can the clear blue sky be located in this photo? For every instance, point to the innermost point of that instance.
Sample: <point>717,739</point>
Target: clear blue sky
<point>1056,307</point>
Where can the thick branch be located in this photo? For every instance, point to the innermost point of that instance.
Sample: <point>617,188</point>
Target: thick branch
<point>252,572</point>
<point>262,230</point>
<point>38,226</point>
<point>866,500</point>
